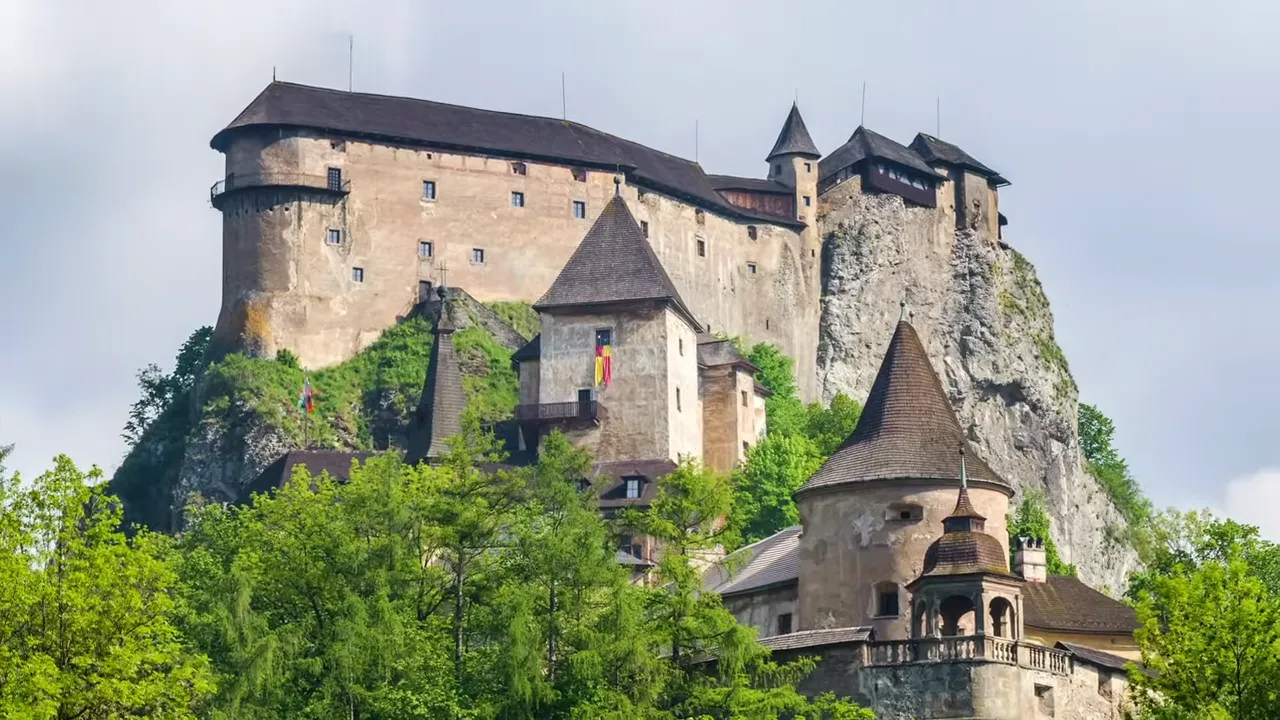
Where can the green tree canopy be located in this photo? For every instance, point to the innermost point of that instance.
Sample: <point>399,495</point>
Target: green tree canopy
<point>1031,519</point>
<point>1103,461</point>
<point>87,627</point>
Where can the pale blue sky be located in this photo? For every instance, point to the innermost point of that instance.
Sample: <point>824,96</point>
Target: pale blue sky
<point>1136,135</point>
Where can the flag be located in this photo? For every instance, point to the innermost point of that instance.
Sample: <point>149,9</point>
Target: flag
<point>604,357</point>
<point>306,398</point>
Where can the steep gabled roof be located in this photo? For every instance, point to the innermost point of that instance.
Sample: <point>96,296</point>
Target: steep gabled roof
<point>864,144</point>
<point>908,429</point>
<point>613,264</point>
<point>771,562</point>
<point>412,121</point>
<point>439,413</point>
<point>794,138</point>
<point>931,149</point>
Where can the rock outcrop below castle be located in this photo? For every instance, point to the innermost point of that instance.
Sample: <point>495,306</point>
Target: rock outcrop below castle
<point>980,309</point>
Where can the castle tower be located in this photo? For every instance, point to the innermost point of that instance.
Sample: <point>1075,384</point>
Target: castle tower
<point>618,355</point>
<point>871,511</point>
<point>439,413</point>
<point>966,587</point>
<point>793,162</point>
<point>974,185</point>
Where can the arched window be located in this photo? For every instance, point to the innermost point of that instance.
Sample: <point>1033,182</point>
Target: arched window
<point>957,615</point>
<point>1002,620</point>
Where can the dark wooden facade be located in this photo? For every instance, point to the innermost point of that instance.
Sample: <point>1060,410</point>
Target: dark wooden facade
<point>781,205</point>
<point>910,186</point>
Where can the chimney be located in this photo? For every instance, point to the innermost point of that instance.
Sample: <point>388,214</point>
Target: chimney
<point>1029,560</point>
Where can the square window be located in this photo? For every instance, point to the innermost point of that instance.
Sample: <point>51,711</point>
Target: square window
<point>428,190</point>
<point>579,209</point>
<point>477,256</point>
<point>517,199</point>
<point>335,179</point>
<point>357,275</point>
<point>334,237</point>
<point>425,249</point>
<point>519,168</point>
<point>751,268</point>
<point>579,174</point>
<point>808,167</point>
<point>887,603</point>
<point>644,227</point>
<point>784,624</point>
<point>604,337</point>
<point>751,232</point>
<point>702,248</point>
<point>807,201</point>
<point>633,488</point>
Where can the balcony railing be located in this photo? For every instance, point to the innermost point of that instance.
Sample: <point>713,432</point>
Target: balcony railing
<point>320,183</point>
<point>968,648</point>
<point>557,412</point>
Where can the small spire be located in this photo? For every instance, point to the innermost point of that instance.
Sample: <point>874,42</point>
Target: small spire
<point>617,185</point>
<point>902,311</point>
<point>964,474</point>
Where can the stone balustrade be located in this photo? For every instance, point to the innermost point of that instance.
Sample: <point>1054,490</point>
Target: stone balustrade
<point>967,648</point>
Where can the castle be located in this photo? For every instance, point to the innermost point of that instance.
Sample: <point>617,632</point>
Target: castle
<point>341,212</point>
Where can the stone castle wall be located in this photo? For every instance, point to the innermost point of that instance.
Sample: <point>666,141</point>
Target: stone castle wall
<point>285,286</point>
<point>853,541</point>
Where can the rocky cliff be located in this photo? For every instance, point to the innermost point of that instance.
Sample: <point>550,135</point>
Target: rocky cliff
<point>988,328</point>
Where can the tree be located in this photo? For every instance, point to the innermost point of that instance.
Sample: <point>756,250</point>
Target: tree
<point>785,412</point>
<point>763,487</point>
<point>1182,542</point>
<point>159,389</point>
<point>828,427</point>
<point>1031,519</point>
<point>1210,641</point>
<point>716,666</point>
<point>87,629</point>
<point>1103,461</point>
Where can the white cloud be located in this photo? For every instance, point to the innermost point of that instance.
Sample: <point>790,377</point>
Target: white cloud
<point>1255,499</point>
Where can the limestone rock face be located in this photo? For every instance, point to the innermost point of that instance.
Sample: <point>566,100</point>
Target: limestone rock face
<point>988,329</point>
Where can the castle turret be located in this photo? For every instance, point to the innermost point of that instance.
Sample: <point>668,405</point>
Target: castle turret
<point>439,413</point>
<point>793,161</point>
<point>871,512</point>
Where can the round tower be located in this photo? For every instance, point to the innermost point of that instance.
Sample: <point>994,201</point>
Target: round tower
<point>872,511</point>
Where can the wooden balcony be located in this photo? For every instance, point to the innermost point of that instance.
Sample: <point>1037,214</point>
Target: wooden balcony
<point>578,410</point>
<point>231,184</point>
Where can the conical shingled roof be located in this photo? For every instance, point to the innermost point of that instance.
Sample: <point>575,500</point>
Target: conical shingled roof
<point>908,429</point>
<point>614,263</point>
<point>439,413</point>
<point>794,138</point>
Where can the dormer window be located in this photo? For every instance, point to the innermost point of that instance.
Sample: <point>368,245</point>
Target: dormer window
<point>633,485</point>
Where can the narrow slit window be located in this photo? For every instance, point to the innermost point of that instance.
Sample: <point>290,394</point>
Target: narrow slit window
<point>644,227</point>
<point>357,274</point>
<point>700,216</point>
<point>677,399</point>
<point>744,398</point>
<point>579,209</point>
<point>477,256</point>
<point>702,248</point>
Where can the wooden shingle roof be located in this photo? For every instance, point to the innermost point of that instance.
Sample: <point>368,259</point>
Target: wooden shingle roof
<point>864,144</point>
<point>613,264</point>
<point>794,138</point>
<point>1065,604</point>
<point>908,430</point>
<point>932,149</point>
<point>417,122</point>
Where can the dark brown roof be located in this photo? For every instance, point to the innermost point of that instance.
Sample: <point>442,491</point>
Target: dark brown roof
<point>771,562</point>
<point>335,462</point>
<point>931,149</point>
<point>1096,657</point>
<point>817,638</point>
<point>439,413</point>
<point>964,507</point>
<point>730,182</point>
<point>613,264</point>
<point>531,350</point>
<point>965,553</point>
<point>907,429</point>
<point>412,121</point>
<point>794,138</point>
<point>715,353</point>
<point>1065,604</point>
<point>611,477</point>
<point>864,144</point>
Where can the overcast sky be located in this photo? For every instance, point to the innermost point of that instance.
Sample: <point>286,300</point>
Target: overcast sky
<point>1137,135</point>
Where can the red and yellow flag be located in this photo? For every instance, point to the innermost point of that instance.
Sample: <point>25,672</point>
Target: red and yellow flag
<point>604,359</point>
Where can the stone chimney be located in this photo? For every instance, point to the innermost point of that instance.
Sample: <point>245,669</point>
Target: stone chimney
<point>1029,560</point>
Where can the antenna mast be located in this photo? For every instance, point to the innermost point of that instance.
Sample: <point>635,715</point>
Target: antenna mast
<point>938,131</point>
<point>564,107</point>
<point>351,58</point>
<point>695,139</point>
<point>863,120</point>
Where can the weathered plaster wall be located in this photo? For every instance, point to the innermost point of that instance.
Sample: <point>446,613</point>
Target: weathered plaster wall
<point>1123,645</point>
<point>988,329</point>
<point>302,288</point>
<point>853,541</point>
<point>530,376</point>
<point>761,610</point>
<point>685,405</point>
<point>730,422</point>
